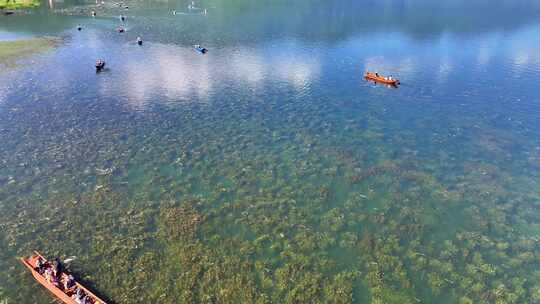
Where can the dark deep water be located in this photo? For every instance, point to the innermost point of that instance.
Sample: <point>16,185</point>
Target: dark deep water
<point>268,170</point>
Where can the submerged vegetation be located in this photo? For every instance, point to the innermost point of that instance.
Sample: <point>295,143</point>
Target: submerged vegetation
<point>12,51</point>
<point>288,198</point>
<point>265,208</point>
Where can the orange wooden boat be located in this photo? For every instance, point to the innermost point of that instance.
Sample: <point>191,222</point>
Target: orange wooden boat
<point>378,78</point>
<point>64,295</point>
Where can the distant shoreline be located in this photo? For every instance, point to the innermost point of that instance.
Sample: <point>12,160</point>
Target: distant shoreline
<point>17,4</point>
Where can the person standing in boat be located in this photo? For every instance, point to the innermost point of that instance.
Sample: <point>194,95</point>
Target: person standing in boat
<point>58,268</point>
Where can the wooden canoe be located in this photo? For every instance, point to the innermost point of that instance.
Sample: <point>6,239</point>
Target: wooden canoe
<point>378,78</point>
<point>30,263</point>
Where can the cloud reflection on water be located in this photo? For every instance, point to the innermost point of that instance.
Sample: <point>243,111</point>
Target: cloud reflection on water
<point>181,75</point>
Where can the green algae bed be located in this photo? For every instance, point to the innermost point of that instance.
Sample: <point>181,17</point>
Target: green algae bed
<point>12,51</point>
<point>244,210</point>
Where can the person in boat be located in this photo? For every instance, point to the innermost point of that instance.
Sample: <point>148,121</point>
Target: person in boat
<point>100,64</point>
<point>377,74</point>
<point>199,48</point>
<point>55,281</point>
<point>78,300</point>
<point>78,296</point>
<point>51,277</point>
<point>69,283</point>
<point>58,268</point>
<point>48,274</point>
<point>174,12</point>
<point>122,18</point>
<point>93,13</point>
<point>139,41</point>
<point>40,265</point>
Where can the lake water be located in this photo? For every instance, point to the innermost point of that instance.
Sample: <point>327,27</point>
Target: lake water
<point>268,170</point>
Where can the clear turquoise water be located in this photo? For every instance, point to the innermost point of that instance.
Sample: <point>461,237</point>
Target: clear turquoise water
<point>268,170</point>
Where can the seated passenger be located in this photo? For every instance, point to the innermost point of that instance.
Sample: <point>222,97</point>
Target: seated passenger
<point>55,281</point>
<point>40,265</point>
<point>48,274</point>
<point>69,282</point>
<point>78,296</point>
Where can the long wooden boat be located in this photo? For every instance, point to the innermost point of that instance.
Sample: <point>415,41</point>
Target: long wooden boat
<point>65,296</point>
<point>378,78</point>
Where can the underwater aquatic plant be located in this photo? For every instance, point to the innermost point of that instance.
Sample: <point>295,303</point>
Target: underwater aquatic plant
<point>180,222</point>
<point>223,203</point>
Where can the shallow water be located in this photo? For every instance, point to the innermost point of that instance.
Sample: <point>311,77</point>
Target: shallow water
<point>268,170</point>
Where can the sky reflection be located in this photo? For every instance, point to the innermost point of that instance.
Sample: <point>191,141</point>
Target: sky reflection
<point>173,72</point>
<point>182,75</point>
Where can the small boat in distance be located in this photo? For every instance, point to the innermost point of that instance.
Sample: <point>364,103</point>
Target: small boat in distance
<point>100,64</point>
<point>200,49</point>
<point>65,295</point>
<point>382,79</point>
<point>120,29</point>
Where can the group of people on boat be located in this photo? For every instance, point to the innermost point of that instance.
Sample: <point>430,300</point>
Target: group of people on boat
<point>385,78</point>
<point>80,297</point>
<point>51,272</point>
<point>54,274</point>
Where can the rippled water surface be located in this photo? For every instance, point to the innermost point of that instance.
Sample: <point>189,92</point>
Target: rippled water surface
<point>269,170</point>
